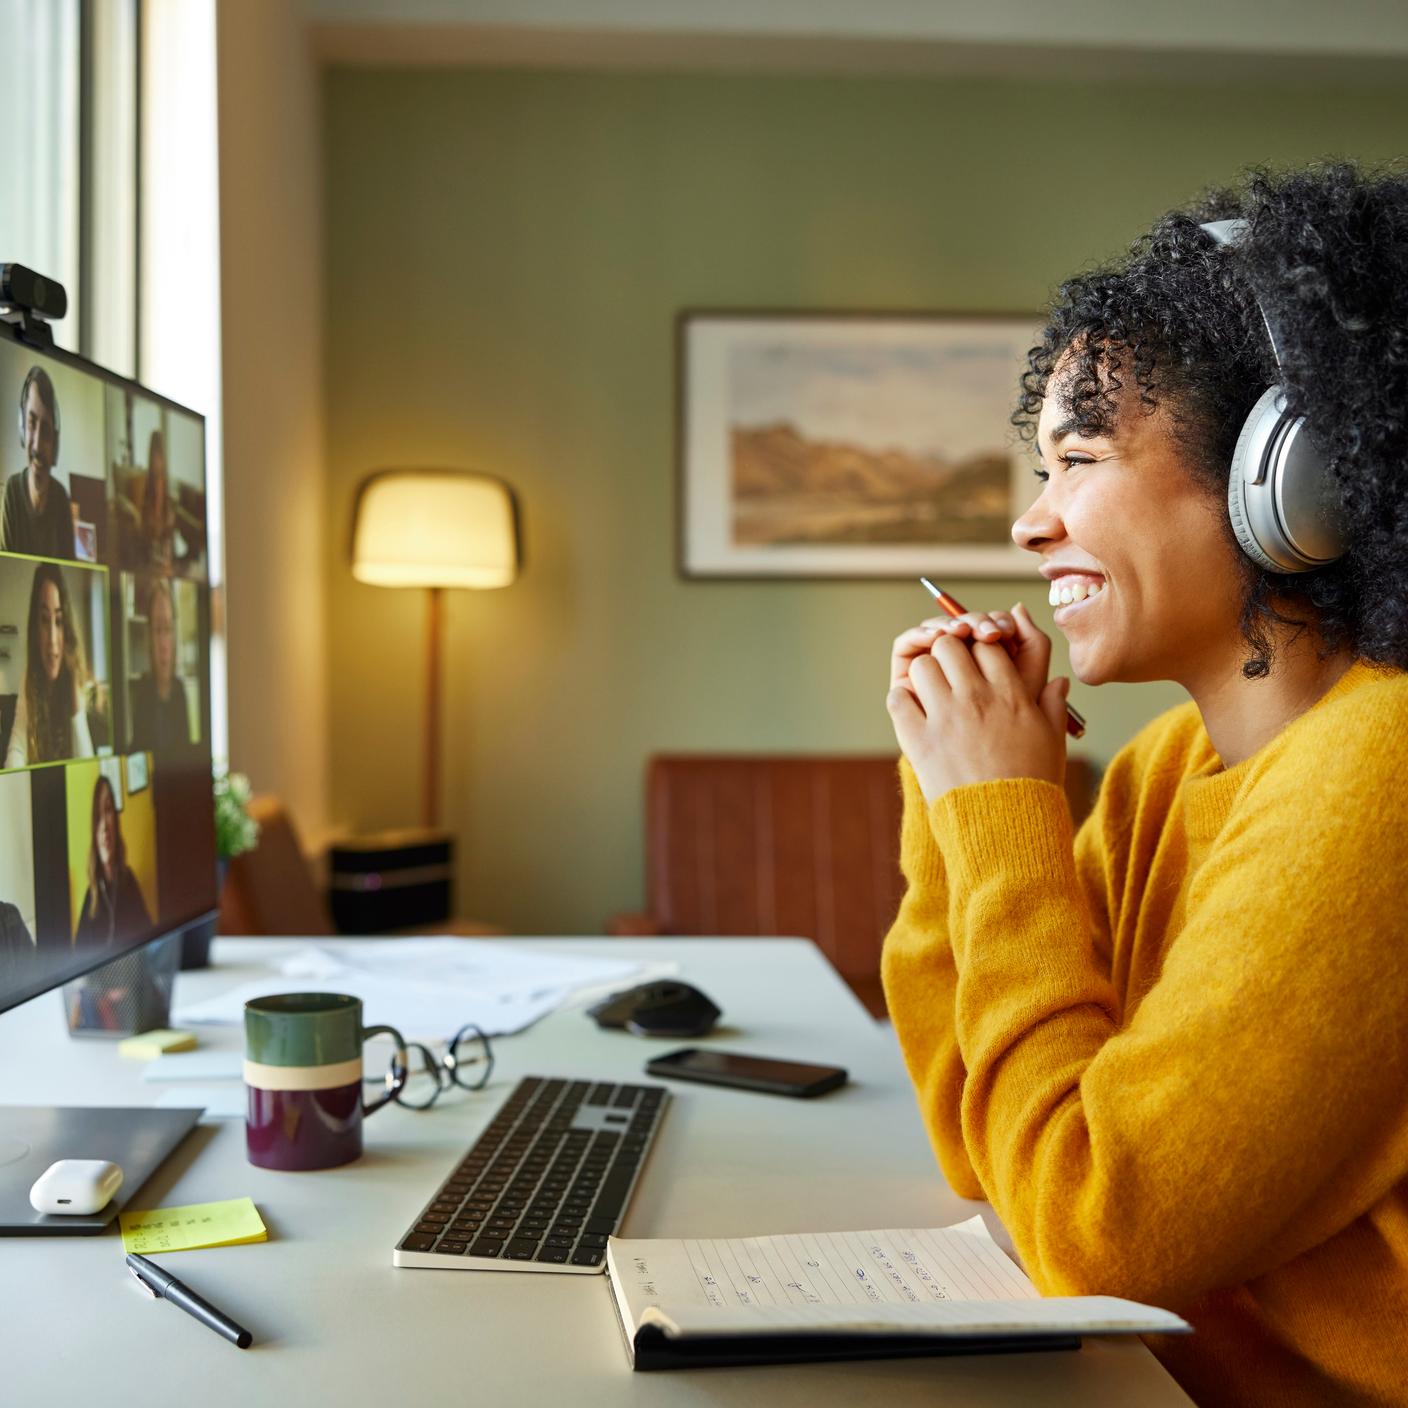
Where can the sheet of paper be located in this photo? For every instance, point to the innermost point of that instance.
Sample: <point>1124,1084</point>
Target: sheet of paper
<point>912,1266</point>
<point>221,1102</point>
<point>906,1278</point>
<point>197,1065</point>
<point>419,1011</point>
<point>428,988</point>
<point>228,1224</point>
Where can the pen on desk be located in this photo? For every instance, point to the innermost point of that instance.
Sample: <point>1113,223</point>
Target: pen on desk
<point>1075,724</point>
<point>164,1285</point>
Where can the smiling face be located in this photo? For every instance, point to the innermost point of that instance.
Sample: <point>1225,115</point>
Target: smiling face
<point>39,435</point>
<point>105,829</point>
<point>51,631</point>
<point>1125,515</point>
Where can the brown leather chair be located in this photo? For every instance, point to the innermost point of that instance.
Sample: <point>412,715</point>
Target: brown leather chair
<point>792,845</point>
<point>271,889</point>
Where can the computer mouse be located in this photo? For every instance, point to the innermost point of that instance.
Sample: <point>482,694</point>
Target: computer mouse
<point>665,1007</point>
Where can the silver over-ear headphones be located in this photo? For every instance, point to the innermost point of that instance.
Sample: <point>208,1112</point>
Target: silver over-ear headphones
<point>1282,500</point>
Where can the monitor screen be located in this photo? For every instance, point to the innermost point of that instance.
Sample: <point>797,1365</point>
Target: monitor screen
<point>107,831</point>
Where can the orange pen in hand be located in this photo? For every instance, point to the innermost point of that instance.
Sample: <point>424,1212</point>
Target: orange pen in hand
<point>1075,724</point>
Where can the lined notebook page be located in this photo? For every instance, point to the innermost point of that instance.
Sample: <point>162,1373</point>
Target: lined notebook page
<point>906,1280</point>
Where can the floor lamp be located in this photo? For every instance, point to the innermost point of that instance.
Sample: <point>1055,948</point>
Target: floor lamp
<point>435,528</point>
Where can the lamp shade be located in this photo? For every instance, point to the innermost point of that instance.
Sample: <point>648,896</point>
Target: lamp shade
<point>435,528</point>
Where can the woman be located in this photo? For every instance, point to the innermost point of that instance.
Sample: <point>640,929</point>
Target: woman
<point>1173,1050</point>
<point>50,723</point>
<point>158,510</point>
<point>159,717</point>
<point>113,907</point>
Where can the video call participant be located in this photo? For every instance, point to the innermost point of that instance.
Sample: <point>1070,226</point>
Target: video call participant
<point>50,724</point>
<point>159,717</point>
<point>113,903</point>
<point>36,518</point>
<point>158,508</point>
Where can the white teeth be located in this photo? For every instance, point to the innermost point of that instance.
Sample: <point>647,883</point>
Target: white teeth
<point>1064,596</point>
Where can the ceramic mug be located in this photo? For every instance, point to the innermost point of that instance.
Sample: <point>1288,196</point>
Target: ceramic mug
<point>303,1075</point>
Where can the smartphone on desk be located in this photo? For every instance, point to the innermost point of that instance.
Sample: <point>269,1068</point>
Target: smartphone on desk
<point>761,1073</point>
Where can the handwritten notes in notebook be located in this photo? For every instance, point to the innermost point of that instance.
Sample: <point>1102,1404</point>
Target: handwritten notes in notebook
<point>937,1281</point>
<point>909,1267</point>
<point>228,1224</point>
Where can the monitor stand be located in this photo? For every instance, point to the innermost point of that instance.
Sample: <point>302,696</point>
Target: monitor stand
<point>34,1136</point>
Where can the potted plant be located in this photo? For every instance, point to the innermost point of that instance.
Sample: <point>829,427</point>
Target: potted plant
<point>235,832</point>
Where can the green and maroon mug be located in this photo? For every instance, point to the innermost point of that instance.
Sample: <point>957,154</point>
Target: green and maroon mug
<point>303,1074</point>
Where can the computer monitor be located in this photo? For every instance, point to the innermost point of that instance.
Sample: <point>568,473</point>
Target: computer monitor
<point>107,830</point>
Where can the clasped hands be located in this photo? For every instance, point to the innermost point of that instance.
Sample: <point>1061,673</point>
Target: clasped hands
<point>965,710</point>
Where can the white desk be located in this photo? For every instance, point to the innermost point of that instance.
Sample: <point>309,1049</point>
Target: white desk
<point>335,1324</point>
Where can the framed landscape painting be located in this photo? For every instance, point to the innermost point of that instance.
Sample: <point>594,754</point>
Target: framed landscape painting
<point>851,445</point>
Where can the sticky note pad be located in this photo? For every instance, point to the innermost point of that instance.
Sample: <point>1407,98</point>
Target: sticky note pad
<point>146,1046</point>
<point>228,1224</point>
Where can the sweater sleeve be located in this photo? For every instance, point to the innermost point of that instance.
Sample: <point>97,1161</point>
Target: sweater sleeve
<point>921,979</point>
<point>921,982</point>
<point>1251,1107</point>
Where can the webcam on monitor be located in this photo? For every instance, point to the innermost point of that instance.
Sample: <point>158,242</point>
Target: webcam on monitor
<point>35,298</point>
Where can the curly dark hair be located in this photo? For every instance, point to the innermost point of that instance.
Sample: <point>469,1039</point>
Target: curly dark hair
<point>1327,255</point>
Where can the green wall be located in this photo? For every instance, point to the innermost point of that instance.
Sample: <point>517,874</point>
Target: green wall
<point>506,252</point>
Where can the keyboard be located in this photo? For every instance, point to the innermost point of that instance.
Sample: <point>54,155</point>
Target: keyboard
<point>546,1183</point>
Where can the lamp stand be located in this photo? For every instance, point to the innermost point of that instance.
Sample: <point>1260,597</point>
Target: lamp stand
<point>430,789</point>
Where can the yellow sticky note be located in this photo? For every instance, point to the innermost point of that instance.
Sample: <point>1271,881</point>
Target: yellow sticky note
<point>227,1224</point>
<point>149,1045</point>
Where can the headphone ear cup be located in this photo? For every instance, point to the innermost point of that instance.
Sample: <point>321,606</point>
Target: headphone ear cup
<point>1281,500</point>
<point>1250,441</point>
<point>1241,524</point>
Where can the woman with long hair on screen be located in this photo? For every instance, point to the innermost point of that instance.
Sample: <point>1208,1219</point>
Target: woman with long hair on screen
<point>159,717</point>
<point>1172,1050</point>
<point>113,906</point>
<point>51,722</point>
<point>158,509</point>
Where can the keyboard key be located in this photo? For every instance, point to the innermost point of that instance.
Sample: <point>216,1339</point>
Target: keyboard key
<point>453,1248</point>
<point>602,1225</point>
<point>625,1097</point>
<point>520,1249</point>
<point>592,1239</point>
<point>417,1242</point>
<point>558,1239</point>
<point>485,1247</point>
<point>592,1256</point>
<point>557,1254</point>
<point>612,1197</point>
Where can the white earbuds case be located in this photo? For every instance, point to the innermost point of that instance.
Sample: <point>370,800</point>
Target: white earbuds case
<point>76,1186</point>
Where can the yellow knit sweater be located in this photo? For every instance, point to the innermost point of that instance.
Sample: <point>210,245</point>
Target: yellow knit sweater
<point>1172,1051</point>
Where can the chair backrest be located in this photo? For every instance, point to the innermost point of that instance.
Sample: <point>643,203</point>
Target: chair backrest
<point>799,845</point>
<point>271,890</point>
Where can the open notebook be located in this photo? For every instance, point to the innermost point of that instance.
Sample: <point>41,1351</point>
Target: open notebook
<point>846,1295</point>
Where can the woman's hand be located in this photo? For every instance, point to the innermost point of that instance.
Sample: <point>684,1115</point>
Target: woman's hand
<point>970,701</point>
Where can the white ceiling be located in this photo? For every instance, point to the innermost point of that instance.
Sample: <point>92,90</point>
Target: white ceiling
<point>1354,41</point>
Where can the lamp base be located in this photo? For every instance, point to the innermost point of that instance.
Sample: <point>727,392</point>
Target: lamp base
<point>391,880</point>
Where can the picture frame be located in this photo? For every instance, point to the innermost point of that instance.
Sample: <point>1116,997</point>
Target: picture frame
<point>137,772</point>
<point>845,444</point>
